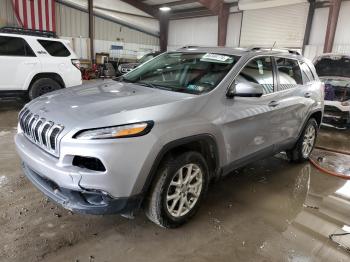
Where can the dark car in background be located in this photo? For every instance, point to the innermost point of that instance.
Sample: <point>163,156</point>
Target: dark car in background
<point>127,67</point>
<point>334,72</point>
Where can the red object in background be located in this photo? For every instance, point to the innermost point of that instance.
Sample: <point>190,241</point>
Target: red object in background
<point>88,73</point>
<point>35,14</point>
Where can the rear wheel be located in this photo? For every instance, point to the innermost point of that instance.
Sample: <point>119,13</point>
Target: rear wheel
<point>42,86</point>
<point>178,190</point>
<point>305,144</point>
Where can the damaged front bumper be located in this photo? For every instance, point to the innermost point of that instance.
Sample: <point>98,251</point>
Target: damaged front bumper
<point>83,201</point>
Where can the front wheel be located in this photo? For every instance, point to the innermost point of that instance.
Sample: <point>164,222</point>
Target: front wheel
<point>178,190</point>
<point>303,148</point>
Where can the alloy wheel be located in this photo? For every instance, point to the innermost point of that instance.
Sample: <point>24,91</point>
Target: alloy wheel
<point>184,190</point>
<point>309,141</point>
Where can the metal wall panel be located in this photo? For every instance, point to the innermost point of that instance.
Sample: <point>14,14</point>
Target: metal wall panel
<point>107,30</point>
<point>284,24</point>
<point>342,36</point>
<point>319,26</point>
<point>74,23</point>
<point>234,30</point>
<point>7,17</point>
<point>193,31</point>
<point>318,32</point>
<point>71,22</point>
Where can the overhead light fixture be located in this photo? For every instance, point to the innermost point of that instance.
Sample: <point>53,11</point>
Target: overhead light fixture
<point>165,8</point>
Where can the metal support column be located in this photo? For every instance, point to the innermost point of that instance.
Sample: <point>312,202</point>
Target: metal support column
<point>331,25</point>
<point>91,28</point>
<point>310,18</point>
<point>164,31</point>
<point>223,16</point>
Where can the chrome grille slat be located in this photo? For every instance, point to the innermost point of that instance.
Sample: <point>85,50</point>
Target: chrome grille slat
<point>26,120</point>
<point>22,115</point>
<point>40,131</point>
<point>48,133</point>
<point>32,125</point>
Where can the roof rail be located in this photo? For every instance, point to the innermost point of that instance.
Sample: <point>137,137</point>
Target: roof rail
<point>189,46</point>
<point>24,31</point>
<point>285,50</point>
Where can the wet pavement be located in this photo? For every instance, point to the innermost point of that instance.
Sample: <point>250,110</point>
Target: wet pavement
<point>271,210</point>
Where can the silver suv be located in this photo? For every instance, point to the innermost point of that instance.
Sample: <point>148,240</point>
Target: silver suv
<point>157,136</point>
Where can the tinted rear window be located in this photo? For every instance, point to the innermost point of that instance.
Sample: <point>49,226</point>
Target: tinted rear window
<point>14,46</point>
<point>55,48</point>
<point>289,73</point>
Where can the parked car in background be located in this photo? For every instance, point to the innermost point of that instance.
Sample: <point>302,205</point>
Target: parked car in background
<point>127,67</point>
<point>155,137</point>
<point>334,72</point>
<point>34,63</point>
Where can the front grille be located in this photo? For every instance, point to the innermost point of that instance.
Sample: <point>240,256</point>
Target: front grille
<point>40,131</point>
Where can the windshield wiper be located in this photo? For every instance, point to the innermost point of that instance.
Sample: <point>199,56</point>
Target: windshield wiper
<point>151,85</point>
<point>122,79</point>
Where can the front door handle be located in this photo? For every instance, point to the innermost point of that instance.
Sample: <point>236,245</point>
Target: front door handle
<point>307,95</point>
<point>273,104</point>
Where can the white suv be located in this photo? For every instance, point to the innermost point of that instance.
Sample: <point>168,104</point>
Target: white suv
<point>35,63</point>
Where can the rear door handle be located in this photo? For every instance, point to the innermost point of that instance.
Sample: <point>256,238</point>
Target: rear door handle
<point>273,104</point>
<point>307,95</point>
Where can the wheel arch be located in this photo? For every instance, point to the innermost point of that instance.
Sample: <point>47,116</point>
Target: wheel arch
<point>204,143</point>
<point>54,76</point>
<point>317,115</point>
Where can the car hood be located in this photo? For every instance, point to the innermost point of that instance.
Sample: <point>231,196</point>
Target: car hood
<point>79,106</point>
<point>335,65</point>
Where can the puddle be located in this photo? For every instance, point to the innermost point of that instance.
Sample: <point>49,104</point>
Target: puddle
<point>334,162</point>
<point>3,181</point>
<point>4,133</point>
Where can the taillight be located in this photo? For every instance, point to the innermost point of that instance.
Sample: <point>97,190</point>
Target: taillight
<point>76,63</point>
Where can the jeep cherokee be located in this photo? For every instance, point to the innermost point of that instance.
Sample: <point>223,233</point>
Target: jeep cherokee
<point>155,137</point>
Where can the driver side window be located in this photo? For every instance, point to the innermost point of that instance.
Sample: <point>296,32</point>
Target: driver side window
<point>258,71</point>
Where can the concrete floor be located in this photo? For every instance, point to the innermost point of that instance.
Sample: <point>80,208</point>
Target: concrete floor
<point>268,211</point>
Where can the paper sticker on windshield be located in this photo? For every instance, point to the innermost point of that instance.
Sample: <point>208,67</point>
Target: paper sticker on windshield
<point>195,88</point>
<point>261,67</point>
<point>216,57</point>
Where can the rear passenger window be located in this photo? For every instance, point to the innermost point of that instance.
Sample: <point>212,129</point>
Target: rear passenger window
<point>306,73</point>
<point>258,71</point>
<point>55,48</point>
<point>289,73</point>
<point>14,46</point>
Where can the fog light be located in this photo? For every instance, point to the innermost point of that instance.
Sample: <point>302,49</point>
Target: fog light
<point>90,163</point>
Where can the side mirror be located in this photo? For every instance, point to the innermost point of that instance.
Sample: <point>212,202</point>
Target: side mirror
<point>245,90</point>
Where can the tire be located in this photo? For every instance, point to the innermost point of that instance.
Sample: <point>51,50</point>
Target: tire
<point>42,86</point>
<point>167,183</point>
<point>299,153</point>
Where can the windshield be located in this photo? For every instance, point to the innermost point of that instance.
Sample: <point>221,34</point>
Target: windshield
<point>333,66</point>
<point>194,73</point>
<point>337,90</point>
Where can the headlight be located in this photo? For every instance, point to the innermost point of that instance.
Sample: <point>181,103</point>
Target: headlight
<point>129,130</point>
<point>19,129</point>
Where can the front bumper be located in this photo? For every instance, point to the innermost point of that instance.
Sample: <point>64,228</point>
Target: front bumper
<point>127,167</point>
<point>86,202</point>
